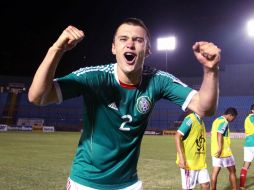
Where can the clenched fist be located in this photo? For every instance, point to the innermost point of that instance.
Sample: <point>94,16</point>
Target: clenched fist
<point>207,54</point>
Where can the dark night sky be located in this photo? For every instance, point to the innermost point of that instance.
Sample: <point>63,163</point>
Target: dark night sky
<point>29,28</point>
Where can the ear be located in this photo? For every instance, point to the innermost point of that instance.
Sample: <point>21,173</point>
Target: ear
<point>113,49</point>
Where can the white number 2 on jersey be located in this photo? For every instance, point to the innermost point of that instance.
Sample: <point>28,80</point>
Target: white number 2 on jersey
<point>127,119</point>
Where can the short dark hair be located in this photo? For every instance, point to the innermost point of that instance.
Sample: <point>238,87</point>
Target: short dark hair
<point>136,22</point>
<point>231,111</point>
<point>252,107</point>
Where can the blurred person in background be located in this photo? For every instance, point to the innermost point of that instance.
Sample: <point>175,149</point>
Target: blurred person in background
<point>221,152</point>
<point>248,146</point>
<point>190,140</point>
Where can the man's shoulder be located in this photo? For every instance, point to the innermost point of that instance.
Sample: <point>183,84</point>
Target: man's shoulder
<point>156,73</point>
<point>107,68</point>
<point>221,121</point>
<point>220,118</point>
<point>251,115</point>
<point>147,70</point>
<point>217,121</point>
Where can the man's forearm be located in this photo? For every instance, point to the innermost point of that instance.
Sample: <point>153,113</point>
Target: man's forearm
<point>209,92</point>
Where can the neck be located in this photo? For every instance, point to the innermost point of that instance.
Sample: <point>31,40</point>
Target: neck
<point>132,78</point>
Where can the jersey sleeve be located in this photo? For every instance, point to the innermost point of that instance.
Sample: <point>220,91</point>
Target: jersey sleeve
<point>174,89</point>
<point>252,119</point>
<point>67,87</point>
<point>75,84</point>
<point>222,127</point>
<point>185,126</point>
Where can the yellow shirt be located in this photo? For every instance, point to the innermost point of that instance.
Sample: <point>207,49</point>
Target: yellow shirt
<point>248,125</point>
<point>249,131</point>
<point>220,125</point>
<point>194,142</point>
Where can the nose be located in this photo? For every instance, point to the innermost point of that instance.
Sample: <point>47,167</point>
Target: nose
<point>130,44</point>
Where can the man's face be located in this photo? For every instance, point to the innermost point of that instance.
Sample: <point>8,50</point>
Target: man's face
<point>130,46</point>
<point>231,118</point>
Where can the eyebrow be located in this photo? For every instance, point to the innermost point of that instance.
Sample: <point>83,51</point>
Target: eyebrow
<point>135,37</point>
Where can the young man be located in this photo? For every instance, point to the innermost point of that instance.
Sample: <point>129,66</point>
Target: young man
<point>248,146</point>
<point>190,141</point>
<point>222,155</point>
<point>118,101</point>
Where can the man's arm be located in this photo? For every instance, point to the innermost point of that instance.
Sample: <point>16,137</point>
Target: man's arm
<point>179,149</point>
<point>220,144</point>
<point>42,90</point>
<point>205,101</point>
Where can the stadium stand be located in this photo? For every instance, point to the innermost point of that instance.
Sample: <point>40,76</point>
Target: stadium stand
<point>166,116</point>
<point>65,116</point>
<point>3,100</point>
<point>241,103</point>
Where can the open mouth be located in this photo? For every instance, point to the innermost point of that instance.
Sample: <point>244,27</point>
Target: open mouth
<point>129,56</point>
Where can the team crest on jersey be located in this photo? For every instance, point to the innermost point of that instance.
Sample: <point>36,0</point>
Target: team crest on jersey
<point>143,104</point>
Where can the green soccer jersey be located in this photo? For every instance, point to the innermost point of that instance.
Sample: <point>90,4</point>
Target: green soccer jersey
<point>115,119</point>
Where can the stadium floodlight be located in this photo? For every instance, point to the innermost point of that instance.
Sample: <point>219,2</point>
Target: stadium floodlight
<point>250,27</point>
<point>166,44</point>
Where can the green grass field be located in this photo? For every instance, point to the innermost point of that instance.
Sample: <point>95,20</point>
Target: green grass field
<point>41,161</point>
